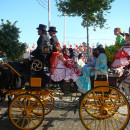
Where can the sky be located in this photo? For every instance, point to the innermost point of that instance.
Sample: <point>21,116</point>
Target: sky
<point>29,14</point>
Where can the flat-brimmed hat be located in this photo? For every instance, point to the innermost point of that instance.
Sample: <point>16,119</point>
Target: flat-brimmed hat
<point>42,27</point>
<point>52,29</point>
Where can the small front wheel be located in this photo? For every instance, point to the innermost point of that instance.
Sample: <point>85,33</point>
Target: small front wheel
<point>21,112</point>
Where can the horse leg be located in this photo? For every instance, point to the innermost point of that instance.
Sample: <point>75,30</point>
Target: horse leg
<point>9,101</point>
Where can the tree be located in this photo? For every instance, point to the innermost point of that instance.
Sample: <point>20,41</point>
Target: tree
<point>9,43</point>
<point>92,12</point>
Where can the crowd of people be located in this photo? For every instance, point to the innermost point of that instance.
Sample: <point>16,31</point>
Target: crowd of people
<point>65,66</point>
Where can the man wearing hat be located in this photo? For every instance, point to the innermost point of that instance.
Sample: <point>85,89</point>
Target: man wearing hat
<point>52,32</point>
<point>43,40</point>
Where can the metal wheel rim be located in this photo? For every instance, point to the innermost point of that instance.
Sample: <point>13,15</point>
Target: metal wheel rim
<point>102,114</point>
<point>21,112</point>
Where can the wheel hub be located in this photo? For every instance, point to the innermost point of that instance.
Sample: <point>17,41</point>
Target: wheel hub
<point>104,111</point>
<point>24,113</point>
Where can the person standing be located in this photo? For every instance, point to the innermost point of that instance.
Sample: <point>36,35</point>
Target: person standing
<point>43,40</point>
<point>112,49</point>
<point>52,32</point>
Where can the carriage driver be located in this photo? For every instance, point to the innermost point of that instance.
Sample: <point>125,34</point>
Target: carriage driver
<point>43,40</point>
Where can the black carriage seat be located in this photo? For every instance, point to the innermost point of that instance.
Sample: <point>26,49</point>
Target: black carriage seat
<point>17,67</point>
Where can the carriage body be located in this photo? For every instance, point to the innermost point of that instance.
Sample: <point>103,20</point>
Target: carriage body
<point>97,107</point>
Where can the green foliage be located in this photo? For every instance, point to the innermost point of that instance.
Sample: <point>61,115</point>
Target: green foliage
<point>92,11</point>
<point>9,43</point>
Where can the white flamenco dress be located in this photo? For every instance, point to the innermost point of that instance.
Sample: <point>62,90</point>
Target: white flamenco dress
<point>61,72</point>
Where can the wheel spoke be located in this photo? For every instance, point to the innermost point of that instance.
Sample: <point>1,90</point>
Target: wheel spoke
<point>103,96</point>
<point>19,119</point>
<point>112,102</point>
<point>90,115</point>
<point>32,121</point>
<point>28,122</point>
<point>15,111</point>
<point>91,103</point>
<point>35,117</point>
<point>97,98</point>
<point>109,97</point>
<point>23,122</point>
<point>90,108</point>
<point>111,123</point>
<point>121,105</point>
<point>99,124</point>
<point>17,106</point>
<point>92,121</point>
<point>20,103</point>
<point>118,113</point>
<point>32,108</point>
<point>25,102</point>
<point>117,119</point>
<point>105,124</point>
<point>87,108</point>
<point>28,102</point>
<point>47,105</point>
<point>17,115</point>
<point>33,104</point>
<point>85,116</point>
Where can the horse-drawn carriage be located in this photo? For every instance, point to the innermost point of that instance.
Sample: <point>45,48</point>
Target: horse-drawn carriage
<point>103,107</point>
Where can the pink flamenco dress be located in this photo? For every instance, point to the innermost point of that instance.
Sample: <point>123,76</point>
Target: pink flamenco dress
<point>121,57</point>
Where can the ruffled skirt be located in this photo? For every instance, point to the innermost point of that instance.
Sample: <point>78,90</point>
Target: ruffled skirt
<point>83,81</point>
<point>121,58</point>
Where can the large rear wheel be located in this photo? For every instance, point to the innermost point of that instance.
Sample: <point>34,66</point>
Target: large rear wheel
<point>104,108</point>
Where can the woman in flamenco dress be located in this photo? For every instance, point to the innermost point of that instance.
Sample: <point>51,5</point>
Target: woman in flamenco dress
<point>58,69</point>
<point>71,65</point>
<point>121,57</point>
<point>83,82</point>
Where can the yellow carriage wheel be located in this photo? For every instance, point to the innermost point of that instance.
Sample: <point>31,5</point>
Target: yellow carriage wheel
<point>21,112</point>
<point>48,103</point>
<point>104,108</point>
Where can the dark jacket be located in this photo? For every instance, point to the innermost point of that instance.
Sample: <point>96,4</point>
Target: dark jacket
<point>72,55</point>
<point>43,40</point>
<point>53,40</point>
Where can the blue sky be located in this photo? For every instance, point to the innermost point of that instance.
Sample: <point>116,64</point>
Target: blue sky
<point>30,14</point>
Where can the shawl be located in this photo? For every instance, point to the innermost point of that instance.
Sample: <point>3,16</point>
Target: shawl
<point>54,61</point>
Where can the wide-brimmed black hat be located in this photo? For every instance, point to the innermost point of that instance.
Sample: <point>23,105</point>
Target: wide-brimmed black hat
<point>52,29</point>
<point>42,27</point>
